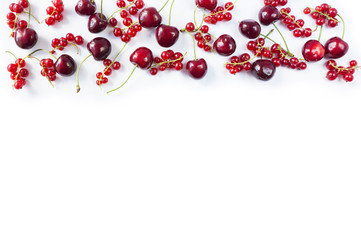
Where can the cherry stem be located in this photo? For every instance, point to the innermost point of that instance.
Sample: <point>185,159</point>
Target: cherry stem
<point>135,67</point>
<point>12,54</point>
<point>101,8</point>
<point>319,37</point>
<point>38,50</point>
<point>29,12</point>
<point>267,37</point>
<point>163,6</point>
<point>344,26</point>
<point>284,40</point>
<point>33,17</point>
<point>170,12</point>
<point>194,45</point>
<point>77,74</point>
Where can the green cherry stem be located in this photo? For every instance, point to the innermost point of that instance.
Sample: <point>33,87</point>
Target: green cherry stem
<point>29,12</point>
<point>170,12</point>
<point>77,74</point>
<point>135,67</point>
<point>101,8</point>
<point>344,26</point>
<point>12,54</point>
<point>163,6</point>
<point>284,40</point>
<point>194,45</point>
<point>38,50</point>
<point>319,37</point>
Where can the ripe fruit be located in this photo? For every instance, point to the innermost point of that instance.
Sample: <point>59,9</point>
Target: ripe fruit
<point>268,14</point>
<point>166,35</point>
<point>65,65</point>
<point>25,38</point>
<point>97,23</point>
<point>85,7</point>
<point>197,69</point>
<point>263,69</point>
<point>208,4</point>
<point>142,57</point>
<point>336,48</point>
<point>100,48</point>
<point>313,51</point>
<point>150,18</point>
<point>225,45</point>
<point>250,28</point>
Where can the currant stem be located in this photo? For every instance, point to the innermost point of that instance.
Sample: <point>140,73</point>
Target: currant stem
<point>163,6</point>
<point>170,11</point>
<point>42,69</point>
<point>344,26</point>
<point>32,16</point>
<point>38,50</point>
<point>194,45</point>
<point>12,54</point>
<point>135,67</point>
<point>77,74</point>
<point>284,40</point>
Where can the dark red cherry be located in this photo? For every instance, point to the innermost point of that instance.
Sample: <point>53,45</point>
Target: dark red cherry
<point>166,35</point>
<point>150,18</point>
<point>97,23</point>
<point>25,38</point>
<point>142,57</point>
<point>268,14</point>
<point>336,48</point>
<point>313,51</point>
<point>225,45</point>
<point>65,65</point>
<point>208,4</point>
<point>85,7</point>
<point>250,28</point>
<point>197,69</point>
<point>100,48</point>
<point>263,69</point>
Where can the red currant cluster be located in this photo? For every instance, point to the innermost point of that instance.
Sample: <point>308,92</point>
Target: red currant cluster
<point>220,14</point>
<point>18,73</point>
<point>275,3</point>
<point>322,14</point>
<point>202,36</point>
<point>55,12</point>
<point>101,76</point>
<point>297,26</point>
<point>239,64</point>
<point>61,43</point>
<point>339,71</point>
<point>13,15</point>
<point>126,12</point>
<point>167,60</point>
<point>48,69</point>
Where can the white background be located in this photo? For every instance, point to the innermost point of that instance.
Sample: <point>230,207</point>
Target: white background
<point>167,157</point>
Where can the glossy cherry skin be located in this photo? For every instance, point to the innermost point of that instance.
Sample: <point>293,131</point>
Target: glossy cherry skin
<point>197,69</point>
<point>97,23</point>
<point>100,48</point>
<point>263,69</point>
<point>250,28</point>
<point>65,65</point>
<point>208,4</point>
<point>268,14</point>
<point>313,51</point>
<point>25,38</point>
<point>85,7</point>
<point>336,48</point>
<point>142,57</point>
<point>225,45</point>
<point>166,35</point>
<point>150,18</point>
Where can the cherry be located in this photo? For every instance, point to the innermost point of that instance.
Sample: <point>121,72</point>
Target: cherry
<point>250,28</point>
<point>100,48</point>
<point>208,4</point>
<point>150,18</point>
<point>197,69</point>
<point>336,48</point>
<point>225,45</point>
<point>268,14</point>
<point>85,7</point>
<point>25,38</point>
<point>65,65</point>
<point>167,35</point>
<point>97,23</point>
<point>263,69</point>
<point>142,57</point>
<point>313,51</point>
